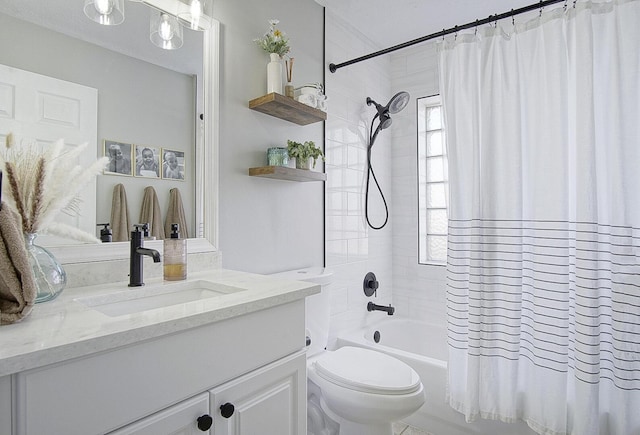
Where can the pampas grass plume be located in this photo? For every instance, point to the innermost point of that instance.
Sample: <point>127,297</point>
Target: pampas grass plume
<point>44,183</point>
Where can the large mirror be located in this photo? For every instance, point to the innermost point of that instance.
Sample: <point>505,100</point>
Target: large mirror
<point>147,98</point>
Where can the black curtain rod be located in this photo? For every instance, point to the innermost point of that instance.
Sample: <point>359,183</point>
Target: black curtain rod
<point>490,19</point>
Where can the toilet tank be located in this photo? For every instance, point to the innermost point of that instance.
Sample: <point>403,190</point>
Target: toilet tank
<point>317,306</point>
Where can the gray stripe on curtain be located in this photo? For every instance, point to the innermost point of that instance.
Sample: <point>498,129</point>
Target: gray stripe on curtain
<point>519,299</point>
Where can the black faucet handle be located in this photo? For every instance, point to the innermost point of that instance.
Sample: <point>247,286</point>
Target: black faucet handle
<point>144,227</point>
<point>370,284</point>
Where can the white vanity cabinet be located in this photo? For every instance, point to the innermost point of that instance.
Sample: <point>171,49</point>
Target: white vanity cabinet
<point>271,400</point>
<point>254,361</point>
<point>5,405</point>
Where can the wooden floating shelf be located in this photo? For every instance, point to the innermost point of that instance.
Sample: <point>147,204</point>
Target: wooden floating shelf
<point>287,108</point>
<point>285,173</point>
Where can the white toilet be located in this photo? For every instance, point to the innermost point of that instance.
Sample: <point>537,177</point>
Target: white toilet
<point>351,391</point>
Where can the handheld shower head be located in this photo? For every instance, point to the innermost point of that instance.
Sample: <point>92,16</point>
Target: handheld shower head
<point>385,121</point>
<point>398,102</point>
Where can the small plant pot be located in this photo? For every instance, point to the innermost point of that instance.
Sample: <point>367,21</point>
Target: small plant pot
<point>303,163</point>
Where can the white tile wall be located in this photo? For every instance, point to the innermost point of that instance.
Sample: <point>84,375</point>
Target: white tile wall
<point>352,249</point>
<point>417,291</point>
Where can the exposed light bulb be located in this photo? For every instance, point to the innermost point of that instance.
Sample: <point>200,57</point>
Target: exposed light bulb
<point>104,7</point>
<point>196,11</point>
<point>105,12</point>
<point>193,16</point>
<point>166,29</point>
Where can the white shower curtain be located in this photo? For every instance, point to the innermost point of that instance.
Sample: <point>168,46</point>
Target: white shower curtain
<point>543,270</point>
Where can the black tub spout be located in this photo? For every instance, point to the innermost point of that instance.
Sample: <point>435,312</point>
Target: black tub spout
<point>373,307</point>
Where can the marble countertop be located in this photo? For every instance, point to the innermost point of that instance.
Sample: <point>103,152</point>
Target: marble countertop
<point>67,328</point>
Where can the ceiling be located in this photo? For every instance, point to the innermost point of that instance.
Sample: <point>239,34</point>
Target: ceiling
<point>392,22</point>
<point>130,38</point>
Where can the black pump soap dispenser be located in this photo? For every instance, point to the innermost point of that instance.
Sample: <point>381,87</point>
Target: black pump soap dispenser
<point>106,235</point>
<point>175,256</point>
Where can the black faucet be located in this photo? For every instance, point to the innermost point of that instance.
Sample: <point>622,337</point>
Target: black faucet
<point>373,307</point>
<point>137,251</point>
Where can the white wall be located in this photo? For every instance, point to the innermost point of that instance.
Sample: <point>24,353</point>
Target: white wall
<point>266,225</point>
<point>352,249</point>
<point>419,290</point>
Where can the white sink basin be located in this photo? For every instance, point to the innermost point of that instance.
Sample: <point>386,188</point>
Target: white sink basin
<point>155,296</point>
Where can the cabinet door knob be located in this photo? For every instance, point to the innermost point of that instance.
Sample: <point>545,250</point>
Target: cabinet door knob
<point>227,410</point>
<point>205,422</point>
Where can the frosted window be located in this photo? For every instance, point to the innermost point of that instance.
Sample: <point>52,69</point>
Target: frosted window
<point>435,195</point>
<point>437,248</point>
<point>434,118</point>
<point>435,169</point>
<point>432,183</point>
<point>434,143</point>
<point>437,221</point>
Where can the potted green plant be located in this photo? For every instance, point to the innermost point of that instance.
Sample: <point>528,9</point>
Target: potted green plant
<point>303,152</point>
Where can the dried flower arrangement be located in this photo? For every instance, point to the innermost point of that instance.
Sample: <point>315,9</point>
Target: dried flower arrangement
<point>40,184</point>
<point>274,41</point>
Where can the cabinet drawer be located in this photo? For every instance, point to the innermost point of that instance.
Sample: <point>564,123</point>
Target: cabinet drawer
<point>103,392</point>
<point>178,419</point>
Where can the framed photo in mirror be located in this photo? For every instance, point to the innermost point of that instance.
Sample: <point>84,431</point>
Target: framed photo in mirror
<point>173,164</point>
<point>120,157</point>
<point>147,161</point>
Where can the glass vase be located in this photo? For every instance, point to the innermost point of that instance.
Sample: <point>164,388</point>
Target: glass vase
<point>277,156</point>
<point>50,277</point>
<point>289,90</point>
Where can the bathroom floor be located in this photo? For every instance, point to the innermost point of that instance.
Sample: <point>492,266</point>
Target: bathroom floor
<point>403,429</point>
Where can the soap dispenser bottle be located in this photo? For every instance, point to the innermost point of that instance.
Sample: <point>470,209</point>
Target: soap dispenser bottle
<point>106,235</point>
<point>175,256</point>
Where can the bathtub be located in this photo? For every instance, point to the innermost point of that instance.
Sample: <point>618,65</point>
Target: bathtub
<point>424,348</point>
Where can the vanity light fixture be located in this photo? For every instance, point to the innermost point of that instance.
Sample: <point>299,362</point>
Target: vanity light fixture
<point>105,12</point>
<point>194,17</point>
<point>165,31</point>
<point>167,18</point>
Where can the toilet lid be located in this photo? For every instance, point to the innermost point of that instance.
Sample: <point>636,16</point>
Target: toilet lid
<point>368,371</point>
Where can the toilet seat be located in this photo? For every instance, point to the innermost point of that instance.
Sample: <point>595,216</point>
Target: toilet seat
<point>367,371</point>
